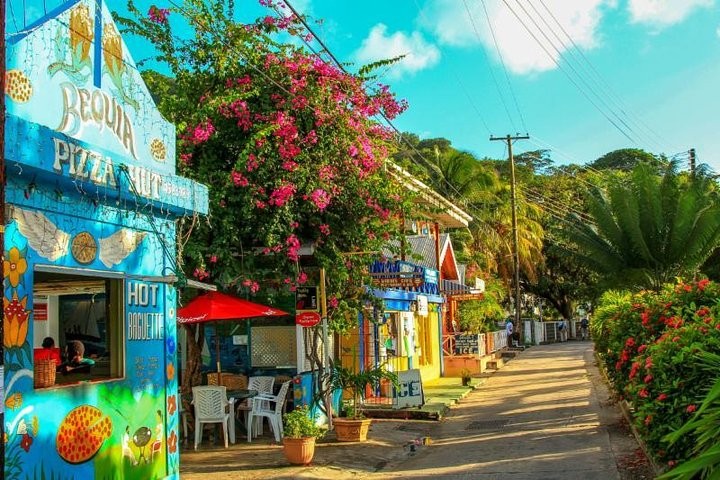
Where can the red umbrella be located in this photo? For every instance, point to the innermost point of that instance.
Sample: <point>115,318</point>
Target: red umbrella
<point>214,306</point>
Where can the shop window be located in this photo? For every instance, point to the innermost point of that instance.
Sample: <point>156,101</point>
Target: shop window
<point>80,314</point>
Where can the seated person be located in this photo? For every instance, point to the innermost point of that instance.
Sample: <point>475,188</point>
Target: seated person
<point>76,363</point>
<point>48,351</point>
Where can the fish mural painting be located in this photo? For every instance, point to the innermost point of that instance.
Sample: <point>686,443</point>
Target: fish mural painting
<point>92,200</point>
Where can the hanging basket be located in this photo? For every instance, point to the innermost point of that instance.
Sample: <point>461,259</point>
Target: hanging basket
<point>44,373</point>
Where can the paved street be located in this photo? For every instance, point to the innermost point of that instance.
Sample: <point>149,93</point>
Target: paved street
<point>545,415</point>
<point>542,416</point>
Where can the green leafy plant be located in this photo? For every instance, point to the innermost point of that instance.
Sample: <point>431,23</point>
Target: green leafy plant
<point>300,424</point>
<point>703,427</point>
<point>655,346</point>
<point>347,379</point>
<point>465,375</point>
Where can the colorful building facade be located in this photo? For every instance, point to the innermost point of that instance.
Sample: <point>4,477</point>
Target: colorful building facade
<point>407,335</point>
<point>92,198</point>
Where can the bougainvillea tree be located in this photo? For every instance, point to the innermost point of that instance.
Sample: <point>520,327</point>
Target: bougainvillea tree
<point>287,144</point>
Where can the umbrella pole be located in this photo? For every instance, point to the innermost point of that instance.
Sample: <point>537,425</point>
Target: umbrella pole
<point>217,351</point>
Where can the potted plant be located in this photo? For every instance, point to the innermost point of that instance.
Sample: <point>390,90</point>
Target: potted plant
<point>354,426</point>
<point>299,434</point>
<point>466,375</point>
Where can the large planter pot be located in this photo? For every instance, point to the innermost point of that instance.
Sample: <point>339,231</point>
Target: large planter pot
<point>350,430</point>
<point>299,451</point>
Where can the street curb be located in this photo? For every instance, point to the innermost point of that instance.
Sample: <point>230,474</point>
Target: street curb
<point>625,408</point>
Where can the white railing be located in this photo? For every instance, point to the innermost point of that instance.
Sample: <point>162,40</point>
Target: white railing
<point>500,340</point>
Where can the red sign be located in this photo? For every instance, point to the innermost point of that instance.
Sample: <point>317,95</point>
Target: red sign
<point>40,312</point>
<point>307,319</point>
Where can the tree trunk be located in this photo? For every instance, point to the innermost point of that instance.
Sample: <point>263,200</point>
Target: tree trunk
<point>195,339</point>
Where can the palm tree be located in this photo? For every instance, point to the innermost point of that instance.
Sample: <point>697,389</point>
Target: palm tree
<point>649,229</point>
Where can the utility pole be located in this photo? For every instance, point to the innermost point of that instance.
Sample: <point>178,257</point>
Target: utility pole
<point>692,161</point>
<point>513,200</point>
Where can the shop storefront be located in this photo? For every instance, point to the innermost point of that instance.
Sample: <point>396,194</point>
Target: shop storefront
<point>90,263</point>
<point>406,335</point>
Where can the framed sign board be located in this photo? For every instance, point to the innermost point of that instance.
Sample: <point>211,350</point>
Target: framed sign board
<point>410,392</point>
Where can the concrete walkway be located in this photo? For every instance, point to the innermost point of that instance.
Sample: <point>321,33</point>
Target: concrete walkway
<point>545,415</point>
<point>541,417</point>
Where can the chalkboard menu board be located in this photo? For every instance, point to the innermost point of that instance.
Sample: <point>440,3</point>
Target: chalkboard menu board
<point>467,344</point>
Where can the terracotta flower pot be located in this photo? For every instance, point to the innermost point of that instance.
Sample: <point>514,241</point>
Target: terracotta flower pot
<point>299,451</point>
<point>350,430</point>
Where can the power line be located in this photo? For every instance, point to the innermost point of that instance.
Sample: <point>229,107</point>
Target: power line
<point>502,62</point>
<point>399,134</point>
<point>570,77</point>
<point>600,79</point>
<point>492,74</point>
<point>457,78</point>
<point>569,56</point>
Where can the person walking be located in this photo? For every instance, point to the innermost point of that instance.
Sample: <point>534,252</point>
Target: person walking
<point>584,328</point>
<point>562,329</point>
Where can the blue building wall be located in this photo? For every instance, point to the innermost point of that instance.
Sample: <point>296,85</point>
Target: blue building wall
<point>92,191</point>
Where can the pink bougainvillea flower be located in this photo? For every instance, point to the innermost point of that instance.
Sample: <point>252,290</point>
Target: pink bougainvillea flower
<point>202,132</point>
<point>158,15</point>
<point>333,302</point>
<point>238,179</point>
<point>691,408</point>
<point>647,379</point>
<point>282,194</point>
<point>320,198</point>
<point>661,397</point>
<point>324,229</point>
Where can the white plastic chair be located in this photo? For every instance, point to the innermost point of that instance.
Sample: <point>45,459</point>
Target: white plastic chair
<point>212,406</point>
<point>270,407</point>
<point>262,385</point>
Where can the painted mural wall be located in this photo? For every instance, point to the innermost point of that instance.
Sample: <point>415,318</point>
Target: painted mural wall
<point>92,193</point>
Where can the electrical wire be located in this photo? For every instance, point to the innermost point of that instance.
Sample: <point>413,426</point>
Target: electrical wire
<point>502,62</point>
<point>497,85</point>
<point>601,80</point>
<point>564,71</point>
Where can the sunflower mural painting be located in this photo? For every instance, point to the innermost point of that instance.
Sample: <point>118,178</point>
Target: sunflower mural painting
<point>16,314</point>
<point>21,431</point>
<point>72,53</point>
<point>114,64</point>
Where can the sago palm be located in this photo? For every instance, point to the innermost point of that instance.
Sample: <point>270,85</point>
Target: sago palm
<point>649,229</point>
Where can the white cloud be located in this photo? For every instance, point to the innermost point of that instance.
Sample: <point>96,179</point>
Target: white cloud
<point>379,45</point>
<point>664,12</point>
<point>451,24</point>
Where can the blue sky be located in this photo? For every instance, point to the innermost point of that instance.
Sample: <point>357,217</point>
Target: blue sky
<point>660,60</point>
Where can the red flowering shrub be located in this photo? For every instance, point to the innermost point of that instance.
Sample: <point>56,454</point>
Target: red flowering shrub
<point>653,352</point>
<point>288,145</point>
